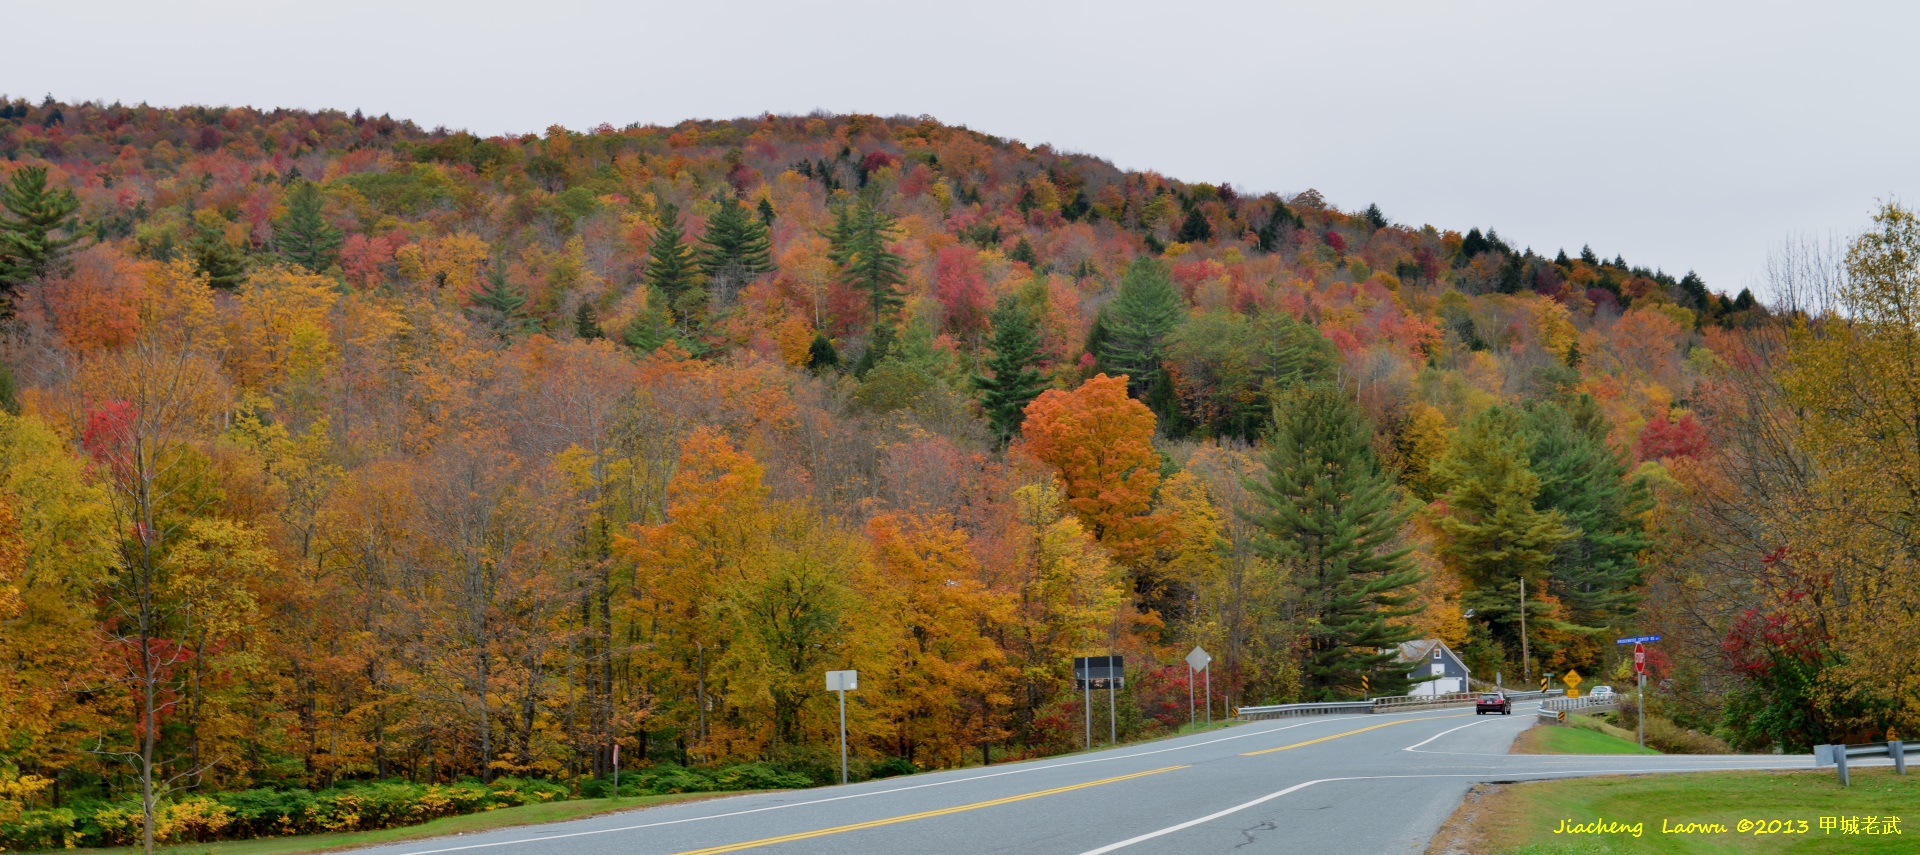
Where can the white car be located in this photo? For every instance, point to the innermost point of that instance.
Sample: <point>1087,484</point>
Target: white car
<point>1601,692</point>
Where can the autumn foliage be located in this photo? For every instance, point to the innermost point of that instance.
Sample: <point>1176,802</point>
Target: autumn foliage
<point>334,450</point>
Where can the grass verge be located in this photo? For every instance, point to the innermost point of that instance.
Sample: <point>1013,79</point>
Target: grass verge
<point>468,824</point>
<point>1581,735</point>
<point>1523,819</point>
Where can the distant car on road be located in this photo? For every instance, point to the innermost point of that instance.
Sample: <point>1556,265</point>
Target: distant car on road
<point>1601,692</point>
<point>1493,702</point>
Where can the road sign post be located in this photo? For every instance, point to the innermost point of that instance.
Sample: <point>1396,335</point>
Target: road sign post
<point>1197,660</point>
<point>1209,673</point>
<point>1640,677</point>
<point>616,770</point>
<point>1113,727</point>
<point>843,682</point>
<point>1640,699</point>
<point>1092,671</point>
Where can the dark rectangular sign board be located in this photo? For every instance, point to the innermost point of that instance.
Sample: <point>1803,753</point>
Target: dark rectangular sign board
<point>1097,670</point>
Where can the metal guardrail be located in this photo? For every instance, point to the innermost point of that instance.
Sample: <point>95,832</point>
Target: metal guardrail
<point>1581,704</point>
<point>1291,710</point>
<point>1374,705</point>
<point>1423,700</point>
<point>1837,756</point>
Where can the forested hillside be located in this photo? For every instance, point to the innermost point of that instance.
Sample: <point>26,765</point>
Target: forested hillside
<point>336,449</point>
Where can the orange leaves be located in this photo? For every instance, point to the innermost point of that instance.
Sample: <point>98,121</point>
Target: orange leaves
<point>946,678</point>
<point>97,304</point>
<point>1101,442</point>
<point>13,565</point>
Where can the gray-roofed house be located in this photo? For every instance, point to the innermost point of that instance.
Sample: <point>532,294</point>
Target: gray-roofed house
<point>1431,657</point>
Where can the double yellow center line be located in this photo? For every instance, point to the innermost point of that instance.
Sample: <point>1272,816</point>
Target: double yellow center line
<point>841,829</point>
<point>1338,735</point>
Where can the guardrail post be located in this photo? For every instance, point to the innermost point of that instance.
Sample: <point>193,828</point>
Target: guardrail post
<point>1840,762</point>
<point>1899,752</point>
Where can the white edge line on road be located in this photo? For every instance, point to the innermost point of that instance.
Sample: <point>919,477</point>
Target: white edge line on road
<point>1111,847</point>
<point>1415,747</point>
<point>1019,771</point>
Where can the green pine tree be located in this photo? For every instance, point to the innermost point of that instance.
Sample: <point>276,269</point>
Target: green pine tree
<point>9,392</point>
<point>1329,514</point>
<point>820,354</point>
<point>651,326</point>
<point>302,235</point>
<point>224,264</point>
<point>841,235</point>
<point>765,209</point>
<point>1137,322</point>
<point>882,342</point>
<point>586,323</point>
<point>670,267</point>
<point>1014,382</point>
<point>37,227</point>
<point>1023,253</point>
<point>1596,573</point>
<point>498,305</point>
<point>735,249</point>
<point>1494,531</point>
<point>868,264</point>
<point>1195,229</point>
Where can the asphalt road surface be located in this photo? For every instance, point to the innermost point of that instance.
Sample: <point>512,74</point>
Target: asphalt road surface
<point>1336,784</point>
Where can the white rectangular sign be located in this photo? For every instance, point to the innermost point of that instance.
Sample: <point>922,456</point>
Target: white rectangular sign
<point>843,681</point>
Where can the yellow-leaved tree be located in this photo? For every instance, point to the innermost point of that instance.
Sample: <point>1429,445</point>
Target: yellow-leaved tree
<point>1856,377</point>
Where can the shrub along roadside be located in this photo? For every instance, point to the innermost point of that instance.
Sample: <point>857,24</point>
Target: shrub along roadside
<point>245,814</point>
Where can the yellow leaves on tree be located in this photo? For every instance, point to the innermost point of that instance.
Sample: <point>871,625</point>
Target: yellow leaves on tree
<point>1101,443</point>
<point>55,550</point>
<point>946,679</point>
<point>13,567</point>
<point>750,601</point>
<point>450,264</point>
<point>1854,377</point>
<point>1068,593</point>
<point>282,341</point>
<point>1554,326</point>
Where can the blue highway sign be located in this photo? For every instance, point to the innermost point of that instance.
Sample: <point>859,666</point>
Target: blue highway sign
<point>1638,639</point>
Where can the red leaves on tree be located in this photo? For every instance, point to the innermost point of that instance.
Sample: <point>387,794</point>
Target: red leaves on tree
<point>1663,440</point>
<point>108,436</point>
<point>962,290</point>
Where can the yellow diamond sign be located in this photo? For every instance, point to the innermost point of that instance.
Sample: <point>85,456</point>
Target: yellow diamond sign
<point>1572,679</point>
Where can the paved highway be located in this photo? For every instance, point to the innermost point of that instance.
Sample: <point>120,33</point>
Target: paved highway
<point>1336,784</point>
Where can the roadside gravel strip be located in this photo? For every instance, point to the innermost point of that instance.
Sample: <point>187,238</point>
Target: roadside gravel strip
<point>1360,784</point>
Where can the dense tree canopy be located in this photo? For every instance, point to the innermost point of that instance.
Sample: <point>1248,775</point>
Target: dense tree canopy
<point>335,449</point>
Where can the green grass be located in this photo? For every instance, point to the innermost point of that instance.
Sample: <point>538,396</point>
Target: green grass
<point>1552,739</point>
<point>1520,819</point>
<point>1201,727</point>
<point>474,822</point>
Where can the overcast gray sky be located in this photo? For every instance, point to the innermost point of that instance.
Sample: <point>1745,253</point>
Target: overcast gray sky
<point>1681,135</point>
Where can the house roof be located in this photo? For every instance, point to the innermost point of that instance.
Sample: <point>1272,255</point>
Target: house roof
<point>1419,650</point>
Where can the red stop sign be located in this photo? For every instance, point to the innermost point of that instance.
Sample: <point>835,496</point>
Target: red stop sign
<point>1639,659</point>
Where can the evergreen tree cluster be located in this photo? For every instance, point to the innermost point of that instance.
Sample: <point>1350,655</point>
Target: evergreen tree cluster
<point>38,225</point>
